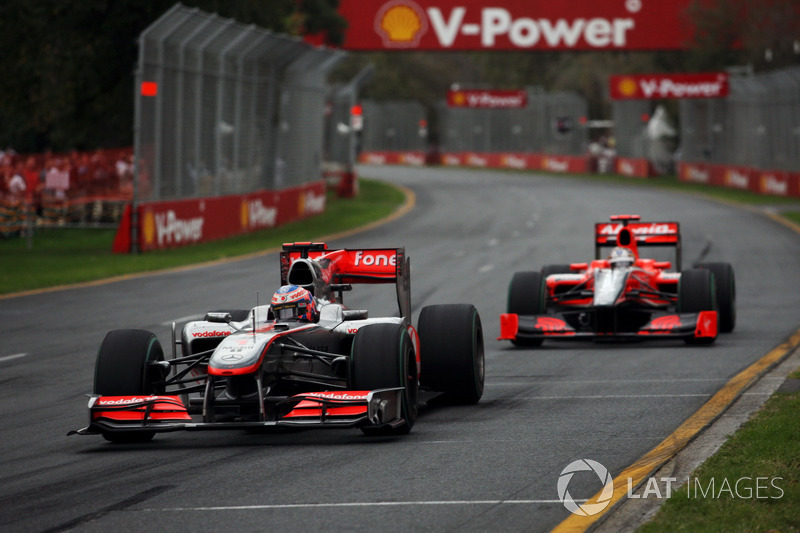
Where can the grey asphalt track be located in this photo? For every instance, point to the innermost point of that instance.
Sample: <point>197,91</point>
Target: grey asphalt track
<point>493,466</point>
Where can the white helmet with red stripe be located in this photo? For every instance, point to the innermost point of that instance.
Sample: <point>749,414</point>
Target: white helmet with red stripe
<point>621,257</point>
<point>291,302</point>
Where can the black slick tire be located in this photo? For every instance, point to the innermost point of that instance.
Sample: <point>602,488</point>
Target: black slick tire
<point>122,369</point>
<point>725,286</point>
<point>696,292</point>
<point>527,296</point>
<point>452,351</point>
<point>383,357</point>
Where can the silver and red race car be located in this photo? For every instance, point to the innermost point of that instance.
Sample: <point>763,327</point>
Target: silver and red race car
<point>259,368</point>
<point>622,295</point>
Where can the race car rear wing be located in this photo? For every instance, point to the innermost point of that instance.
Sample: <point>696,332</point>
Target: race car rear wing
<point>637,234</point>
<point>330,272</point>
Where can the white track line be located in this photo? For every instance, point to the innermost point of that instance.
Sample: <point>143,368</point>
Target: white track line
<point>358,504</point>
<point>10,357</point>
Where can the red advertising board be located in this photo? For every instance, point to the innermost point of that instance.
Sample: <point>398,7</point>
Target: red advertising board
<point>516,25</point>
<point>171,224</point>
<point>486,98</point>
<point>664,86</point>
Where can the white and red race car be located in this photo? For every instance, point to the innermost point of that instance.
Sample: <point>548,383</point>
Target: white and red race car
<point>247,369</point>
<point>623,295</point>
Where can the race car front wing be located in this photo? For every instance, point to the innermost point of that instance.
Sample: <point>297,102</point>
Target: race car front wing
<point>702,325</point>
<point>329,409</point>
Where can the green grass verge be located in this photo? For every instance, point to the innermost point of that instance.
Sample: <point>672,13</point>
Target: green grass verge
<point>763,457</point>
<point>65,256</point>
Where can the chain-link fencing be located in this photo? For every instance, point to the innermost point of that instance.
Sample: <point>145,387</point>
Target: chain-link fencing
<point>757,125</point>
<point>551,123</point>
<point>394,125</point>
<point>225,108</point>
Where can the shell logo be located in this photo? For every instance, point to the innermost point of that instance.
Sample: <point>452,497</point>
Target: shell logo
<point>149,228</point>
<point>627,87</point>
<point>401,24</point>
<point>459,99</point>
<point>244,215</point>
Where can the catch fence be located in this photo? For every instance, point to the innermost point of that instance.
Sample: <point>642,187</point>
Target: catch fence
<point>757,125</point>
<point>551,123</point>
<point>225,108</point>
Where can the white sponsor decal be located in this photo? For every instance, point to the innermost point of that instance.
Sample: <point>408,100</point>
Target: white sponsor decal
<point>450,159</point>
<point>261,216</point>
<point>667,88</point>
<point>171,229</point>
<point>697,174</point>
<point>556,165</point>
<point>625,167</point>
<point>314,203</point>
<point>512,161</point>
<point>126,401</point>
<point>737,179</point>
<point>487,99</point>
<point>337,395</point>
<point>773,185</point>
<point>375,259</point>
<point>413,159</point>
<point>476,160</point>
<point>525,32</point>
<point>652,229</point>
<point>375,159</point>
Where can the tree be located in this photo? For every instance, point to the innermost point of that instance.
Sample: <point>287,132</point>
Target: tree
<point>68,67</point>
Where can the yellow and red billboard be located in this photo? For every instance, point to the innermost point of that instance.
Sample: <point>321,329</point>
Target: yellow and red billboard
<point>665,86</point>
<point>487,98</point>
<point>516,25</point>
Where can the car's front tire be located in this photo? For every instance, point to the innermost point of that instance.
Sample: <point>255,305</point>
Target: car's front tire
<point>123,369</point>
<point>527,295</point>
<point>383,357</point>
<point>696,292</point>
<point>725,286</point>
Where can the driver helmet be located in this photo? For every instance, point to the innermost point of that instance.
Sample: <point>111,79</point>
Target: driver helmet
<point>291,302</point>
<point>621,257</point>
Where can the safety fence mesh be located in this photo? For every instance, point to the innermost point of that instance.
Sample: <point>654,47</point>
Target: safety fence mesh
<point>757,125</point>
<point>224,108</point>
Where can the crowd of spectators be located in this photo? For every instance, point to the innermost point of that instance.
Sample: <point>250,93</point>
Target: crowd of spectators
<point>35,185</point>
<point>64,176</point>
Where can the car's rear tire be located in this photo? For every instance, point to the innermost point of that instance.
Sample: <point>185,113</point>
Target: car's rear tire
<point>725,286</point>
<point>527,296</point>
<point>452,351</point>
<point>123,369</point>
<point>696,293</point>
<point>383,357</point>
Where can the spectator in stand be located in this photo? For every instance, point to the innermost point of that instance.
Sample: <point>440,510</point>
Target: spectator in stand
<point>82,170</point>
<point>6,174</point>
<point>57,178</point>
<point>17,185</point>
<point>33,184</point>
<point>4,179</point>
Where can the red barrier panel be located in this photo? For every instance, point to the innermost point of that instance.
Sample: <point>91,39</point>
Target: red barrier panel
<point>385,157</point>
<point>633,167</point>
<point>170,224</point>
<point>771,182</point>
